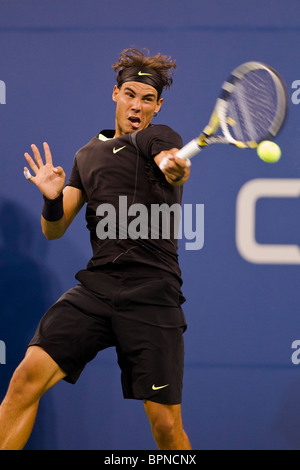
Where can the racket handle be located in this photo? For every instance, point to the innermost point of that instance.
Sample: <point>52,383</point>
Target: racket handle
<point>189,150</point>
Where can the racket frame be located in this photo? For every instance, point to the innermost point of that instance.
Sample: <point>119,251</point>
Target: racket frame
<point>219,114</point>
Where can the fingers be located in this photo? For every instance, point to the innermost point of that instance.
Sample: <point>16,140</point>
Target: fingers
<point>48,156</point>
<point>175,174</point>
<point>59,171</point>
<point>31,163</point>
<point>172,162</point>
<point>37,163</point>
<point>174,166</point>
<point>37,156</point>
<point>27,173</point>
<point>163,164</point>
<point>175,169</point>
<point>182,162</point>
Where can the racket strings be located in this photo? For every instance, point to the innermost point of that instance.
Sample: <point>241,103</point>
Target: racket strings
<point>252,106</point>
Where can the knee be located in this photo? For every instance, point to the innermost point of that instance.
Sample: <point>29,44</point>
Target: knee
<point>23,387</point>
<point>164,426</point>
<point>164,422</point>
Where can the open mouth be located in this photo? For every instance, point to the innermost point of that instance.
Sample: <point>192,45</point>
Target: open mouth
<point>135,122</point>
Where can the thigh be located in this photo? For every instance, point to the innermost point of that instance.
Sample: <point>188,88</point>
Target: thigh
<point>149,326</point>
<point>151,358</point>
<point>74,330</point>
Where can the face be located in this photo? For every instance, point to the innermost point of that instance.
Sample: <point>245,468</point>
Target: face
<point>136,104</point>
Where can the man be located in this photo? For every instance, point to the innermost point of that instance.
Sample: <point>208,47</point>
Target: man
<point>129,295</point>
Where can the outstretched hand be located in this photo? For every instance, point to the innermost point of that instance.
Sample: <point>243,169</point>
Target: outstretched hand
<point>49,179</point>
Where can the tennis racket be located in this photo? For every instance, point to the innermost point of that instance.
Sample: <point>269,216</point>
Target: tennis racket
<point>251,108</point>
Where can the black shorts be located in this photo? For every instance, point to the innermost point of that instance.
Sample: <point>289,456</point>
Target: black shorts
<point>135,309</point>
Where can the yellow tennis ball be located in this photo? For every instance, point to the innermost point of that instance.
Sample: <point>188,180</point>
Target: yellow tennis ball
<point>269,151</point>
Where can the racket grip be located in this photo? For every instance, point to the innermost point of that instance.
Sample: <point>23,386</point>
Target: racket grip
<point>165,161</point>
<point>189,150</point>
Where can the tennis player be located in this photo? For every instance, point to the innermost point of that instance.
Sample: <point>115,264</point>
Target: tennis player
<point>129,296</point>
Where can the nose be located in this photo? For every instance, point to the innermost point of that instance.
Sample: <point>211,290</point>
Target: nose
<point>136,104</point>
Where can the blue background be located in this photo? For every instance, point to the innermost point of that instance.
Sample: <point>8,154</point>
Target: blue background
<point>241,389</point>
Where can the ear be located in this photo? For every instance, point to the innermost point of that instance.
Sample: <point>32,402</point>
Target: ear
<point>116,91</point>
<point>159,105</point>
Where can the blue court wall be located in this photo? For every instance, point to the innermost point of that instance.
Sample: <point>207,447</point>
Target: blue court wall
<point>242,377</point>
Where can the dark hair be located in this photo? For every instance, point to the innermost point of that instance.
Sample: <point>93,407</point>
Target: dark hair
<point>161,65</point>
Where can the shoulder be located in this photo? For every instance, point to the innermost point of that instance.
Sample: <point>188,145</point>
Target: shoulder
<point>94,143</point>
<point>157,138</point>
<point>86,147</point>
<point>159,130</point>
